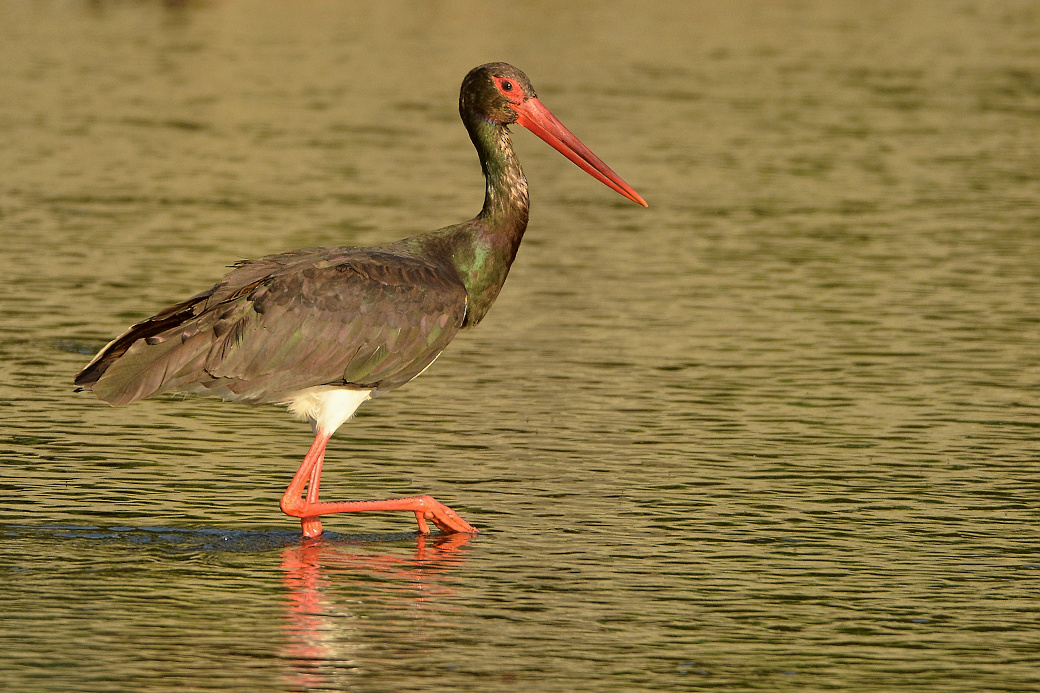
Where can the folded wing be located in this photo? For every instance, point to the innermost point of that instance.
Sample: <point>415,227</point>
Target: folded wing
<point>361,318</point>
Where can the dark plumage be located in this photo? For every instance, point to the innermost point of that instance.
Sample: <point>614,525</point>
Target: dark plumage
<point>365,318</point>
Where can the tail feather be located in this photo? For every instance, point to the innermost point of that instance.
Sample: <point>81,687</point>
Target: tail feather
<point>130,387</point>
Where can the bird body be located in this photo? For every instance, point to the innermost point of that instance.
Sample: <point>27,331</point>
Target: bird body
<point>322,330</point>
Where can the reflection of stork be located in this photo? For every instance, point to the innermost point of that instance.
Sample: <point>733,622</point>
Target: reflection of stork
<point>325,635</point>
<point>322,330</point>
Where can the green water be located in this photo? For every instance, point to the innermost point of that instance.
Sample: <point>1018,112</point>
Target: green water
<point>779,431</point>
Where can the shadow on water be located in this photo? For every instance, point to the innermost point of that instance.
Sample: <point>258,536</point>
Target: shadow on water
<point>180,539</point>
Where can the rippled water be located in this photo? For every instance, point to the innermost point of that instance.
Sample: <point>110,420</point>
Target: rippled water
<point>777,432</point>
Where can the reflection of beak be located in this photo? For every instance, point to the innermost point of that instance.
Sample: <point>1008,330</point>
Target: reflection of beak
<point>539,120</point>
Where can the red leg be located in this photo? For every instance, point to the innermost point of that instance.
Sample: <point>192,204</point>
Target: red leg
<point>308,475</point>
<point>310,509</point>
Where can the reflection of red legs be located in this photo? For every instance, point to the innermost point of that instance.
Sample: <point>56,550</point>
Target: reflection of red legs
<point>317,573</point>
<point>310,509</point>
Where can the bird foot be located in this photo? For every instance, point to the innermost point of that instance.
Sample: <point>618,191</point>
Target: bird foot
<point>426,509</point>
<point>441,515</point>
<point>311,527</point>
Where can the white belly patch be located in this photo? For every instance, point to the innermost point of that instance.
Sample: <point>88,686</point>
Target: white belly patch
<point>326,407</point>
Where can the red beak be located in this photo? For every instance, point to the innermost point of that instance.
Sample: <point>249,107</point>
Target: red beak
<point>539,120</point>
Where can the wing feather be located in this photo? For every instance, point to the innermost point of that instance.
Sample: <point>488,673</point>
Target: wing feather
<point>365,318</point>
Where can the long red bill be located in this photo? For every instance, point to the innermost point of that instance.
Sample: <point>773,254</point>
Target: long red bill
<point>539,120</point>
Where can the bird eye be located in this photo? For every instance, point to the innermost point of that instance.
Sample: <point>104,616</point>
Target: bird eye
<point>513,92</point>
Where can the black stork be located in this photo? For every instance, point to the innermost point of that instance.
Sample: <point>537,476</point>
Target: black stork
<point>322,330</point>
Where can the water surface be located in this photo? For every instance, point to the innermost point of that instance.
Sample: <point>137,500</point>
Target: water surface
<point>779,431</point>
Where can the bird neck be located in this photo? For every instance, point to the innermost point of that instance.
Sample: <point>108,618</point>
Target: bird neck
<point>483,249</point>
<point>506,203</point>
